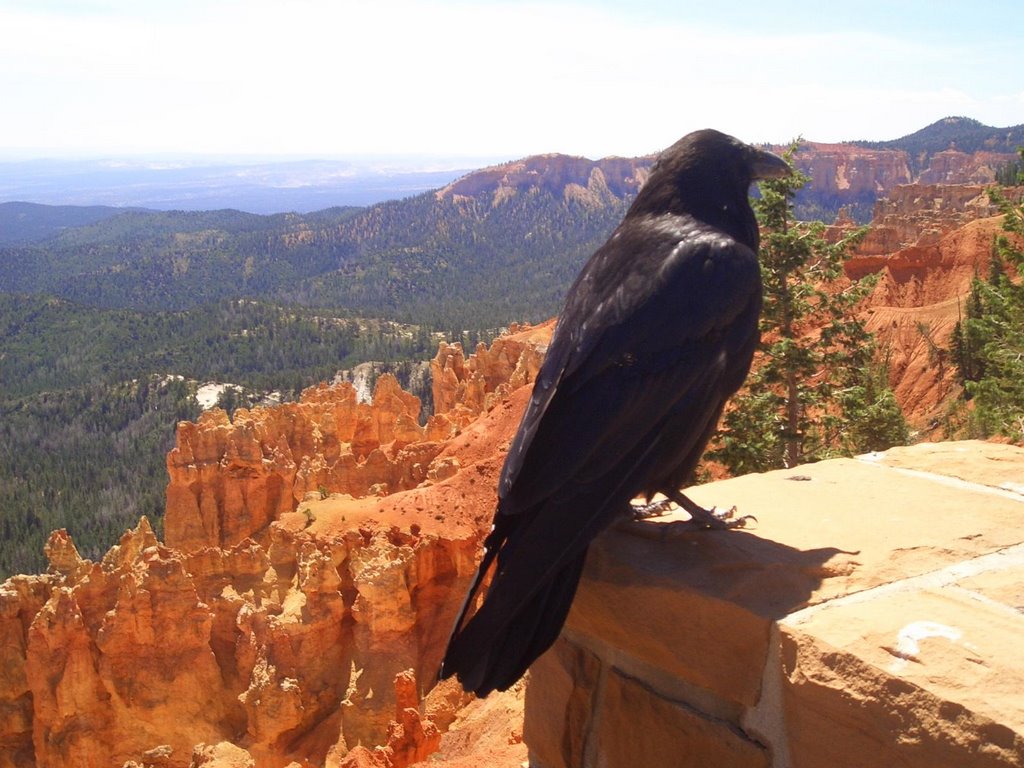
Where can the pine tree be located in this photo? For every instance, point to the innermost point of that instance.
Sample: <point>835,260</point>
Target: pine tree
<point>988,346</point>
<point>815,389</point>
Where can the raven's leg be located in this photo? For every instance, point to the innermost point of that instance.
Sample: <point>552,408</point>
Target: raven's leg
<point>704,519</point>
<point>713,518</point>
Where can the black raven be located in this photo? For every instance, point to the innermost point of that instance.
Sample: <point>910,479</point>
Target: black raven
<point>657,332</point>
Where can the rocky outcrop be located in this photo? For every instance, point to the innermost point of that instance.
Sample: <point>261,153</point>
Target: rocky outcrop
<point>285,650</point>
<point>591,182</point>
<point>850,175</point>
<point>851,172</point>
<point>230,479</point>
<point>410,738</point>
<point>926,244</point>
<point>262,632</point>
<point>465,388</point>
<point>839,173</point>
<point>952,166</point>
<point>222,755</point>
<point>920,214</point>
<point>21,599</point>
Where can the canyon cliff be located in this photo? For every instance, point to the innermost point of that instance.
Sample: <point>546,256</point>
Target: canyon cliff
<point>926,243</point>
<point>852,171</point>
<point>847,174</point>
<point>229,479</point>
<point>315,555</point>
<point>857,177</point>
<point>593,181</point>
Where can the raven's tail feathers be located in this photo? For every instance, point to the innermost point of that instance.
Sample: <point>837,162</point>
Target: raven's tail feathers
<point>491,546</point>
<point>493,650</point>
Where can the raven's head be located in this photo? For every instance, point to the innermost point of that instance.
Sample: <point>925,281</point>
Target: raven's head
<point>707,174</point>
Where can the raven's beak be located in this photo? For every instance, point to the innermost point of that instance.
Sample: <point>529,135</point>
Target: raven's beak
<point>765,165</point>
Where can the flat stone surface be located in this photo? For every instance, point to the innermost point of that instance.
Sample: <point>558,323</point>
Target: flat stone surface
<point>881,525</point>
<point>1004,586</point>
<point>976,461</point>
<point>943,640</point>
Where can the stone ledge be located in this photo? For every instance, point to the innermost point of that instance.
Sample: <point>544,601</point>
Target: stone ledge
<point>873,617</point>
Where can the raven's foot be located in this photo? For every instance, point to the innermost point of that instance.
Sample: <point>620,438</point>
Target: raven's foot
<point>651,509</point>
<point>713,519</point>
<point>701,519</point>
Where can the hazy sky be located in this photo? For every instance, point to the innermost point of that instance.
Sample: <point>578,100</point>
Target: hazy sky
<point>492,79</point>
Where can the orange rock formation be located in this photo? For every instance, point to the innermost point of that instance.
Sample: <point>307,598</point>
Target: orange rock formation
<point>463,389</point>
<point>572,177</point>
<point>259,634</point>
<point>854,171</point>
<point>230,479</point>
<point>286,650</point>
<point>927,243</point>
<point>920,214</point>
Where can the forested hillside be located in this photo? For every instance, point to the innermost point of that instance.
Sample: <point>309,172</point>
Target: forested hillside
<point>89,459</point>
<point>497,246</point>
<point>450,262</point>
<point>22,223</point>
<point>51,344</point>
<point>466,263</point>
<point>89,399</point>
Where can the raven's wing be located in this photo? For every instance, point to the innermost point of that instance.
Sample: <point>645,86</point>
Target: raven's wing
<point>662,318</point>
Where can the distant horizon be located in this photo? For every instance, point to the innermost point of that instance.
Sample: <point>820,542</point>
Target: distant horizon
<point>399,161</point>
<point>263,185</point>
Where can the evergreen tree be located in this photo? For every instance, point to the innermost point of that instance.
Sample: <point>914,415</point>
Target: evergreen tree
<point>988,346</point>
<point>815,389</point>
<point>968,337</point>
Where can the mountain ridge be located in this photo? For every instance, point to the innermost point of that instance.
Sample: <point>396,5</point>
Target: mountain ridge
<point>442,258</point>
<point>969,134</point>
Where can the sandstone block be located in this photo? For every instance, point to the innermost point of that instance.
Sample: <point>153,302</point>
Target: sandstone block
<point>901,672</point>
<point>893,526</point>
<point>899,647</point>
<point>562,688</point>
<point>637,727</point>
<point>633,582</point>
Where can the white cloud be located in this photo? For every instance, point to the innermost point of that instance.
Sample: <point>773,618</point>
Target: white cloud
<point>318,76</point>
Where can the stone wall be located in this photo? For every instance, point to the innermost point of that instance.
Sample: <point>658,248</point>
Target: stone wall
<point>872,617</point>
